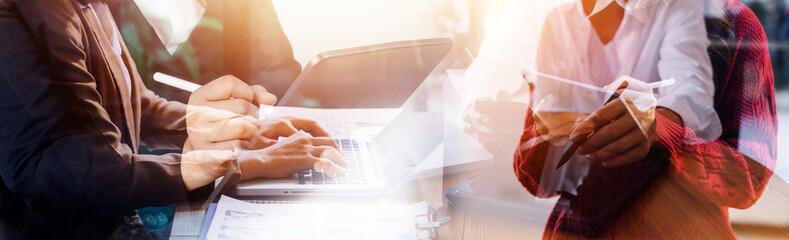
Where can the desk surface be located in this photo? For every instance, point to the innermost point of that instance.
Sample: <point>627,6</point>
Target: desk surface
<point>757,222</point>
<point>767,219</point>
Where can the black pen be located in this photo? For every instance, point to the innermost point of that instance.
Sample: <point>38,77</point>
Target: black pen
<point>574,147</point>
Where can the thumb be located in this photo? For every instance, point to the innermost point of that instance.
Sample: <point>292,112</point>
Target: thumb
<point>328,167</point>
<point>333,155</point>
<point>262,96</point>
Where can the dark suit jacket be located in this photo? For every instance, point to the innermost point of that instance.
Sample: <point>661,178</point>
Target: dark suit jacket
<point>70,131</point>
<point>239,37</point>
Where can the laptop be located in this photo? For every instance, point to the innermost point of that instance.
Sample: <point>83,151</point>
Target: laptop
<point>375,76</point>
<point>378,163</point>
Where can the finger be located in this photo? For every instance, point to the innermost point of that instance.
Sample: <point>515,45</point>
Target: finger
<point>622,86</point>
<point>224,88</point>
<point>280,128</point>
<point>262,96</point>
<point>624,143</point>
<point>231,145</point>
<point>204,114</point>
<point>235,128</point>
<point>629,157</point>
<point>324,141</point>
<point>581,131</point>
<point>260,142</point>
<point>237,106</point>
<point>600,155</point>
<point>238,128</point>
<point>609,112</point>
<point>309,126</point>
<point>328,167</point>
<point>287,167</point>
<point>597,120</point>
<point>575,125</point>
<point>610,133</point>
<point>327,152</point>
<point>316,151</point>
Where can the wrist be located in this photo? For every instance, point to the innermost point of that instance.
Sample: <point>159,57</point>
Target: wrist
<point>202,167</point>
<point>251,163</point>
<point>669,130</point>
<point>670,115</point>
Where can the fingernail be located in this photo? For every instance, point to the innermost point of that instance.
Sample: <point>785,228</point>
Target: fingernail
<point>333,155</point>
<point>329,168</point>
<point>338,171</point>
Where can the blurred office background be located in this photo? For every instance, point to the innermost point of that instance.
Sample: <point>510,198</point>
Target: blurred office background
<point>314,26</point>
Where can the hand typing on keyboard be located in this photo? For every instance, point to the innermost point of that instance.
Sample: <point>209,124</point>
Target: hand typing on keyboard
<point>270,130</point>
<point>296,153</point>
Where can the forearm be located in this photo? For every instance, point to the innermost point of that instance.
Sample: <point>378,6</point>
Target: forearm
<point>79,178</point>
<point>163,124</point>
<point>715,171</point>
<point>530,157</point>
<point>719,173</point>
<point>669,130</point>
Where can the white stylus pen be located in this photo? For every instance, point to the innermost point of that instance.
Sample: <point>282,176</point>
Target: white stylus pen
<point>654,85</point>
<point>664,83</point>
<point>175,82</point>
<point>263,110</point>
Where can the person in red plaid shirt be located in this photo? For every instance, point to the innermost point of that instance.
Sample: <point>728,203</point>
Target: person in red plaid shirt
<point>685,185</point>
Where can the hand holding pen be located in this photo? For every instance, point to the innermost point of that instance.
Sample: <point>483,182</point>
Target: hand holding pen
<point>576,133</point>
<point>620,132</point>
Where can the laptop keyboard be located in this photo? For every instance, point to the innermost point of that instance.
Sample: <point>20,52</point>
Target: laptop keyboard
<point>356,173</point>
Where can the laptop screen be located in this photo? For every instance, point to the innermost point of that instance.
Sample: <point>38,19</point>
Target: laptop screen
<point>375,76</point>
<point>413,134</point>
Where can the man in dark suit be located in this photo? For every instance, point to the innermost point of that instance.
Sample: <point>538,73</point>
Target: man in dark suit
<point>242,38</point>
<point>73,111</point>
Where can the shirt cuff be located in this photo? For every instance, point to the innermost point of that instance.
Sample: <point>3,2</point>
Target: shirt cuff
<point>703,120</point>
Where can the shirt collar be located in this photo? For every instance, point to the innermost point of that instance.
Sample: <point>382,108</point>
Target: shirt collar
<point>601,4</point>
<point>638,9</point>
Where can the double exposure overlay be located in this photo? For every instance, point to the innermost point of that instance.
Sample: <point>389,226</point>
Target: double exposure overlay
<point>394,119</point>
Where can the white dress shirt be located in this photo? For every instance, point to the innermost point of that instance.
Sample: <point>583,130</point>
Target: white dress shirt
<point>173,20</point>
<point>657,40</point>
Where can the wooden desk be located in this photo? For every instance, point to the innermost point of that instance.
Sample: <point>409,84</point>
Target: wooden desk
<point>768,219</point>
<point>465,224</point>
